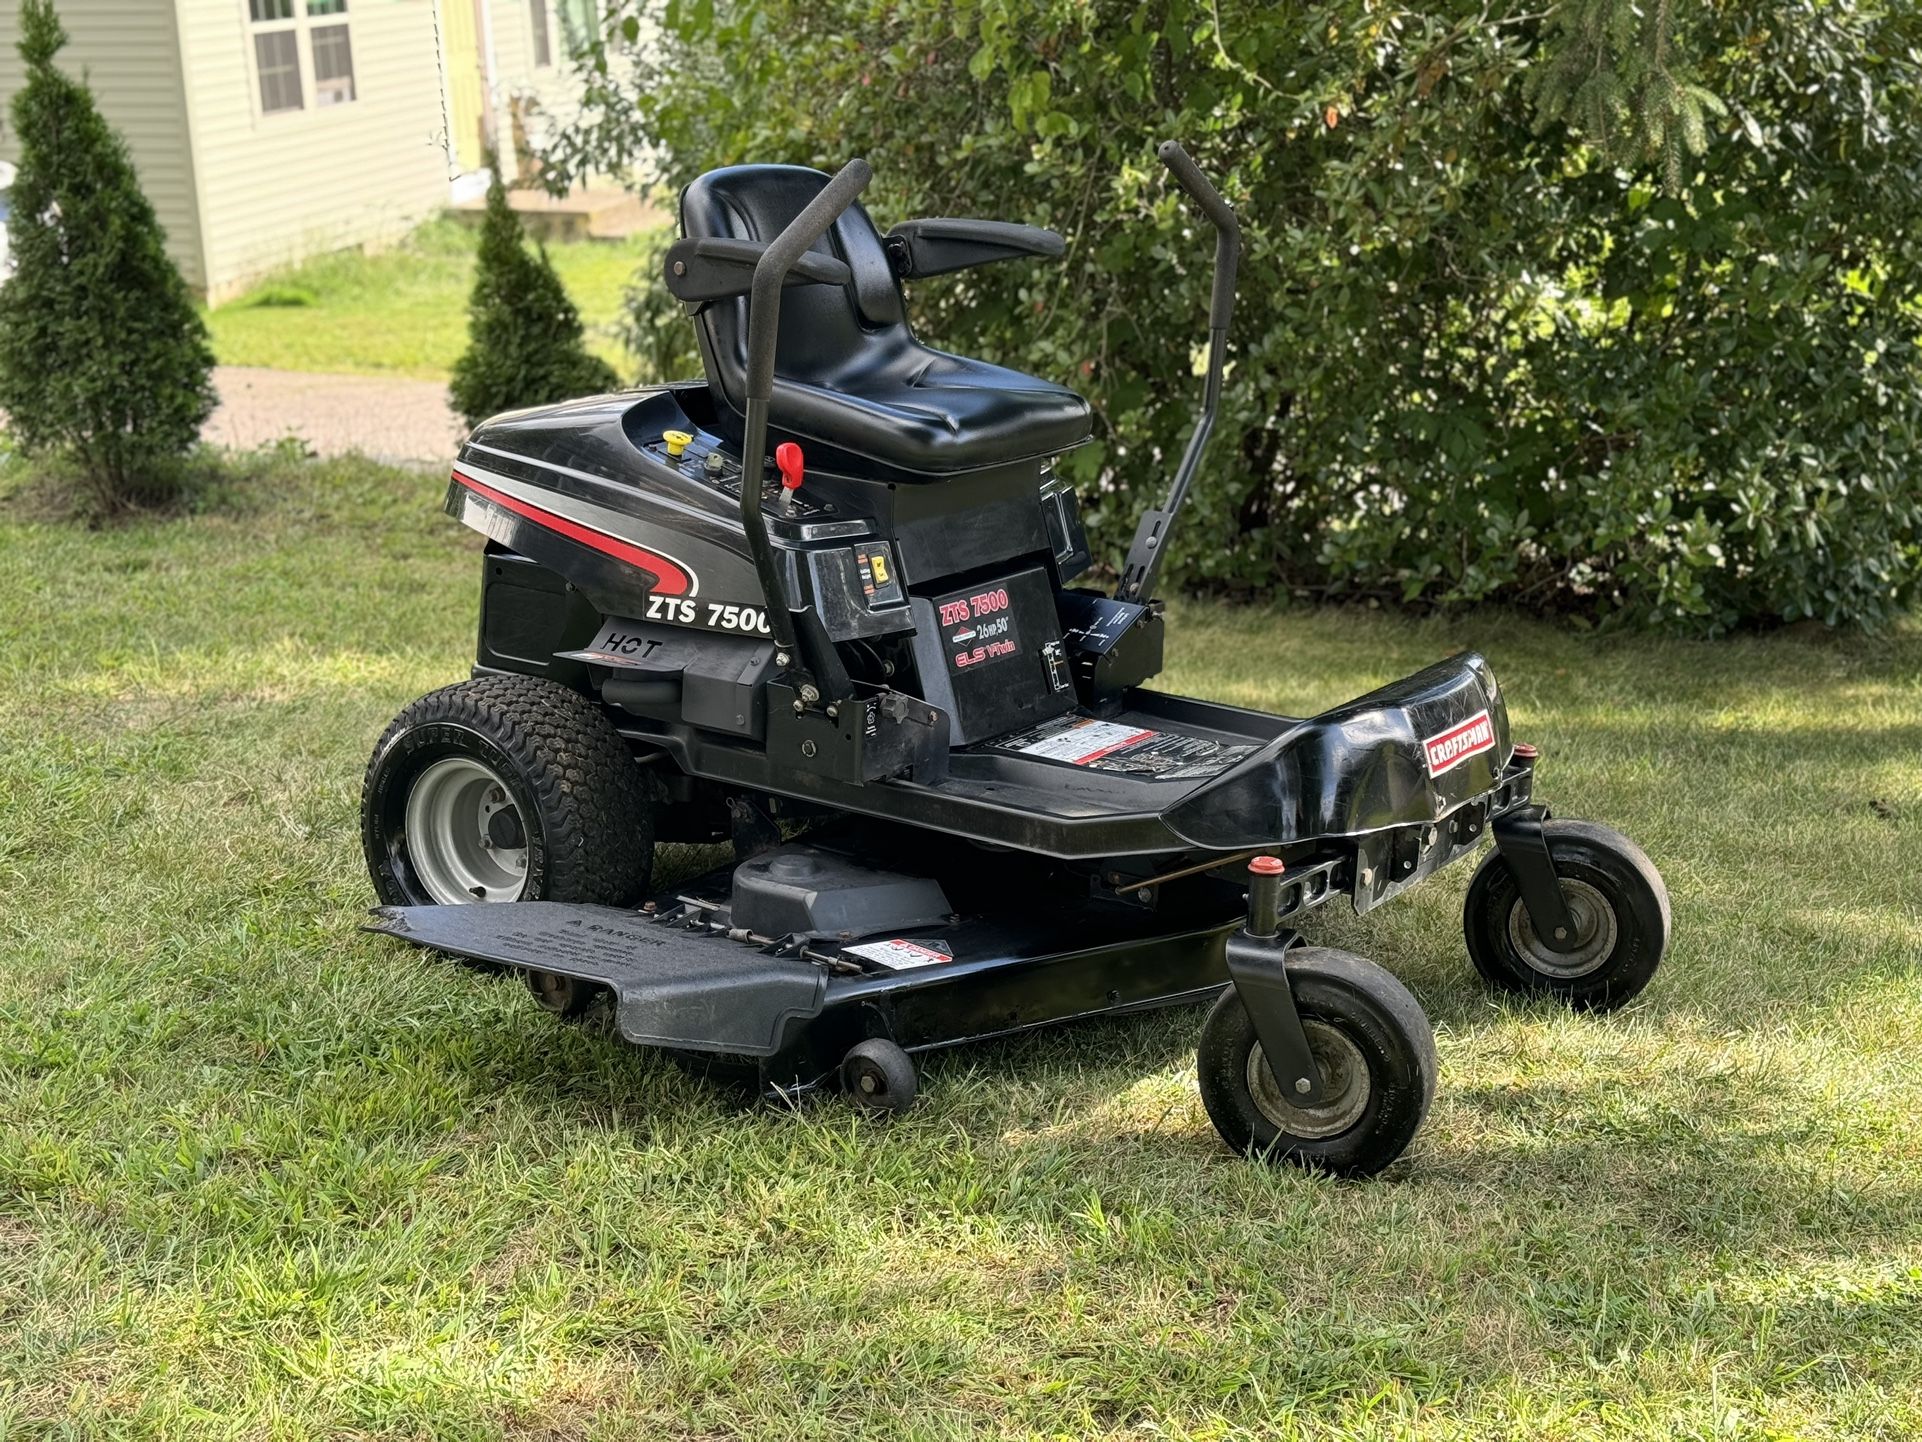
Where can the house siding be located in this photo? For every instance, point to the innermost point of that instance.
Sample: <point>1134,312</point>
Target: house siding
<point>554,89</point>
<point>129,51</point>
<point>275,188</point>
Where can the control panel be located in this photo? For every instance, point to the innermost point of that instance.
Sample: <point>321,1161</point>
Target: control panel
<point>701,457</point>
<point>855,580</point>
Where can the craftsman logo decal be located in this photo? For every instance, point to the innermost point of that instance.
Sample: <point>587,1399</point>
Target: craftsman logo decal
<point>1456,745</point>
<point>671,578</point>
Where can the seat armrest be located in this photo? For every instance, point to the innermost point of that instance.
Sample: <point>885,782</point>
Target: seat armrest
<point>711,268</point>
<point>920,248</point>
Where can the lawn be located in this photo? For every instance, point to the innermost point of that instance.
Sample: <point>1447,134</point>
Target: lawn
<point>403,311</point>
<point>262,1175</point>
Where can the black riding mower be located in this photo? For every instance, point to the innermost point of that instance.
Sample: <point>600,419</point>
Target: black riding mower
<point>825,604</point>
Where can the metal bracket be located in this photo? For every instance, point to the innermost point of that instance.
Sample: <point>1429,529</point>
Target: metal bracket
<point>1257,965</point>
<point>1519,838</point>
<point>750,827</point>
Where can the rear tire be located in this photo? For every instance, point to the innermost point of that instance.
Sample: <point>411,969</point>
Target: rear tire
<point>506,788</point>
<point>1373,1046</point>
<point>1621,912</point>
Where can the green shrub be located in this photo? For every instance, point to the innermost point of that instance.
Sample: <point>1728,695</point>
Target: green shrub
<point>104,363</point>
<point>524,335</point>
<point>1552,304</point>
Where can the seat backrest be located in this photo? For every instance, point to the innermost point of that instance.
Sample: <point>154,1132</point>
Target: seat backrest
<point>824,328</point>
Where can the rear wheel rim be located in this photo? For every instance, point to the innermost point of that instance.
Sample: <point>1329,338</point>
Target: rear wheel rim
<point>1595,933</point>
<point>450,808</point>
<point>1345,1086</point>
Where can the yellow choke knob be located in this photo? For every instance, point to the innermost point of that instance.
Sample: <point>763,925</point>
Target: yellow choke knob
<point>677,441</point>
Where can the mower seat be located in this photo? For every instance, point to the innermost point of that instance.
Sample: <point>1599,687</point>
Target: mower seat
<point>848,373</point>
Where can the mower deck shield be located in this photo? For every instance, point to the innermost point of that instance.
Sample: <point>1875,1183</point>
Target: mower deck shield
<point>1409,753</point>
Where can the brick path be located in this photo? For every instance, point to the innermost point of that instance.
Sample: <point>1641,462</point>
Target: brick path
<point>388,418</point>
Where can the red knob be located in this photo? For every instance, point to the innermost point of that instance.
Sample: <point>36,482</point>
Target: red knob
<point>789,461</point>
<point>1267,866</point>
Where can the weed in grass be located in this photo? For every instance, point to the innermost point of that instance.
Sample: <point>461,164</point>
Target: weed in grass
<point>261,1174</point>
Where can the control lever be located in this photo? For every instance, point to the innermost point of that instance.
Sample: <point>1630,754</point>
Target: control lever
<point>809,646</point>
<point>1150,546</point>
<point>792,466</point>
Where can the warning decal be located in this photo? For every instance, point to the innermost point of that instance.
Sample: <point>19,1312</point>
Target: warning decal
<point>899,955</point>
<point>1113,746</point>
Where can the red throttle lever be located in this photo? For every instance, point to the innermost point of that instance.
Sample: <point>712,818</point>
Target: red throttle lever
<point>792,465</point>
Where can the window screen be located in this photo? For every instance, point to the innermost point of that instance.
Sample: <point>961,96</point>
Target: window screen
<point>333,65</point>
<point>277,57</point>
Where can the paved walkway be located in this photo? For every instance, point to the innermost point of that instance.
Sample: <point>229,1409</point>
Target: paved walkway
<point>406,422</point>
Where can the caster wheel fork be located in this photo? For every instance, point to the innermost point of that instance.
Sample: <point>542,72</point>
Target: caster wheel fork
<point>1370,1042</point>
<point>1312,1056</point>
<point>1614,915</point>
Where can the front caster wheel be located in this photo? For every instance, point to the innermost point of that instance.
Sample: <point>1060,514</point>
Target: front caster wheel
<point>567,997</point>
<point>1619,906</point>
<point>1375,1051</point>
<point>879,1076</point>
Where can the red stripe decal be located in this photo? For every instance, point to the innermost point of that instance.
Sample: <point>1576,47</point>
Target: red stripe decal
<point>669,577</point>
<point>1109,750</point>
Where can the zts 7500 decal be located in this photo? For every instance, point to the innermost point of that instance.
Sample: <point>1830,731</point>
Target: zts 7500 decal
<point>1458,743</point>
<point>977,626</point>
<point>708,615</point>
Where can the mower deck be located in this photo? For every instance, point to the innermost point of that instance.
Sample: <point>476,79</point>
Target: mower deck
<point>684,976</point>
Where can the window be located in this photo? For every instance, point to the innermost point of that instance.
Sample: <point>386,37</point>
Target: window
<point>333,65</point>
<point>278,28</point>
<point>277,58</point>
<point>543,42</point>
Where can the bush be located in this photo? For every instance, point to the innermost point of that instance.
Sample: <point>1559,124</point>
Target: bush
<point>1551,304</point>
<point>104,362</point>
<point>524,334</point>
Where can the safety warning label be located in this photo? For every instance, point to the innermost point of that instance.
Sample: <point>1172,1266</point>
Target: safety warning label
<point>1115,746</point>
<point>899,955</point>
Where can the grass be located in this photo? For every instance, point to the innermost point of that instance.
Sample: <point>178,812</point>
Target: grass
<point>403,311</point>
<point>262,1175</point>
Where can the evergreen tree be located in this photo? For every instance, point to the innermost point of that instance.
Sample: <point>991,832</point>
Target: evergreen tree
<point>103,357</point>
<point>523,333</point>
